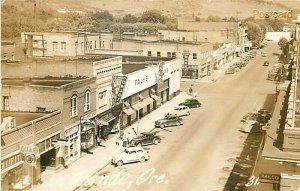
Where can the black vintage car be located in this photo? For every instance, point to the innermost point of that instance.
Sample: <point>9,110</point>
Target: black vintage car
<point>191,103</point>
<point>145,138</point>
<point>266,114</point>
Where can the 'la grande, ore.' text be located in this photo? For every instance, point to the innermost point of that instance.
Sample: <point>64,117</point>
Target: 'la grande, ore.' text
<point>123,178</point>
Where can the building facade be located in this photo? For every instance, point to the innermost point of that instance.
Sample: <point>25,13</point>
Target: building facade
<point>73,43</point>
<point>281,144</point>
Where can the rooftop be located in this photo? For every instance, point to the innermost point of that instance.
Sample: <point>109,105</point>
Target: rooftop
<point>21,117</point>
<point>47,81</point>
<point>132,67</point>
<point>164,41</point>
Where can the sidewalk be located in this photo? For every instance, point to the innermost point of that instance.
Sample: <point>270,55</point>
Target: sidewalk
<point>87,165</point>
<point>216,73</point>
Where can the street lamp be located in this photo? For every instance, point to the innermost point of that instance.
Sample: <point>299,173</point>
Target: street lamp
<point>138,119</point>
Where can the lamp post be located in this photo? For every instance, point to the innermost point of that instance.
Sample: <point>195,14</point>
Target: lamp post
<point>138,119</point>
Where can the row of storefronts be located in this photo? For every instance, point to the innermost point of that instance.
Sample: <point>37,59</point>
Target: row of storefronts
<point>64,139</point>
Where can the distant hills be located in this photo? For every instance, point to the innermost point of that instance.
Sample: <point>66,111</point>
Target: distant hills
<point>177,8</point>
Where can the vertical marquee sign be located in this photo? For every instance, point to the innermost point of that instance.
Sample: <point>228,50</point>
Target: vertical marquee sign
<point>118,85</point>
<point>159,77</point>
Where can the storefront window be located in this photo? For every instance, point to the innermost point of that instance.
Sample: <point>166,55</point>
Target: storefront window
<point>87,139</point>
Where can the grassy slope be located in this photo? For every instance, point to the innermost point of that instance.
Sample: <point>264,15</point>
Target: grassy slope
<point>201,8</point>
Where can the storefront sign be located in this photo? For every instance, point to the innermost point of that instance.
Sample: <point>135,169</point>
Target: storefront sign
<point>29,149</point>
<point>272,177</point>
<point>160,75</point>
<point>118,84</point>
<point>72,130</point>
<point>272,14</point>
<point>141,80</point>
<point>30,159</point>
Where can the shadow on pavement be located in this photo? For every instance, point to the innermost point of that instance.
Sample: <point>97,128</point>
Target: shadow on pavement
<point>244,164</point>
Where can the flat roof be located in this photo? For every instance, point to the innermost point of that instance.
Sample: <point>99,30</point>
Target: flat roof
<point>47,81</point>
<point>22,117</point>
<point>164,41</point>
<point>131,67</point>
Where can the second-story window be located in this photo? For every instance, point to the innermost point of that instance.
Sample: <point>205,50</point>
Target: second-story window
<point>169,54</point>
<point>158,54</point>
<point>173,54</point>
<point>35,44</point>
<point>101,99</point>
<point>149,53</point>
<point>63,46</point>
<point>194,56</point>
<point>87,98</point>
<point>74,105</point>
<point>54,45</point>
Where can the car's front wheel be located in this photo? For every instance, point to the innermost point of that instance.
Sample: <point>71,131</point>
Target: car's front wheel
<point>188,113</point>
<point>155,141</point>
<point>142,159</point>
<point>120,163</point>
<point>139,144</point>
<point>178,123</point>
<point>162,126</point>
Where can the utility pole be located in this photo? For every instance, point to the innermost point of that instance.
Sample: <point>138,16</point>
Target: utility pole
<point>35,15</point>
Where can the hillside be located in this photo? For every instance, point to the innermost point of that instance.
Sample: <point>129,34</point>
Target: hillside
<point>201,8</point>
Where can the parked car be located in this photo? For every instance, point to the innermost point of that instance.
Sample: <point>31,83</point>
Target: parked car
<point>266,63</point>
<point>169,120</point>
<point>250,117</point>
<point>181,110</point>
<point>238,64</point>
<point>265,113</point>
<point>246,127</point>
<point>131,154</point>
<point>145,138</point>
<point>272,75</point>
<point>263,54</point>
<point>191,103</point>
<point>236,69</point>
<point>230,70</point>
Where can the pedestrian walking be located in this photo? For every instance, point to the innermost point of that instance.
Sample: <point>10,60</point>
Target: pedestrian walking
<point>119,140</point>
<point>128,138</point>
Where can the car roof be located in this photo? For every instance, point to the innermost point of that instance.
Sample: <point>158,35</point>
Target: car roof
<point>191,99</point>
<point>147,133</point>
<point>181,106</point>
<point>134,148</point>
<point>171,115</point>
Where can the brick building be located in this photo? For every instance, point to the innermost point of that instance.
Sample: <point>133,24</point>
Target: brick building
<point>64,43</point>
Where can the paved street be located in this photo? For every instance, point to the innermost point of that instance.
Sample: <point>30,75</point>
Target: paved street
<point>197,154</point>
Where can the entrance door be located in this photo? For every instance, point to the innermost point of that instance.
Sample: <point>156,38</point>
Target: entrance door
<point>48,159</point>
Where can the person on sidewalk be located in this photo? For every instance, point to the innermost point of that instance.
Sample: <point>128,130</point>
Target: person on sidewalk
<point>119,140</point>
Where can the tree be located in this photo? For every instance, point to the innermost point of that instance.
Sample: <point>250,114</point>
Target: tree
<point>104,15</point>
<point>153,16</point>
<point>214,18</point>
<point>254,33</point>
<point>129,19</point>
<point>284,45</point>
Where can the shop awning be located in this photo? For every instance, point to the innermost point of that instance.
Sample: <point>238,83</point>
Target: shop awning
<point>105,119</point>
<point>142,104</point>
<point>128,111</point>
<point>155,97</point>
